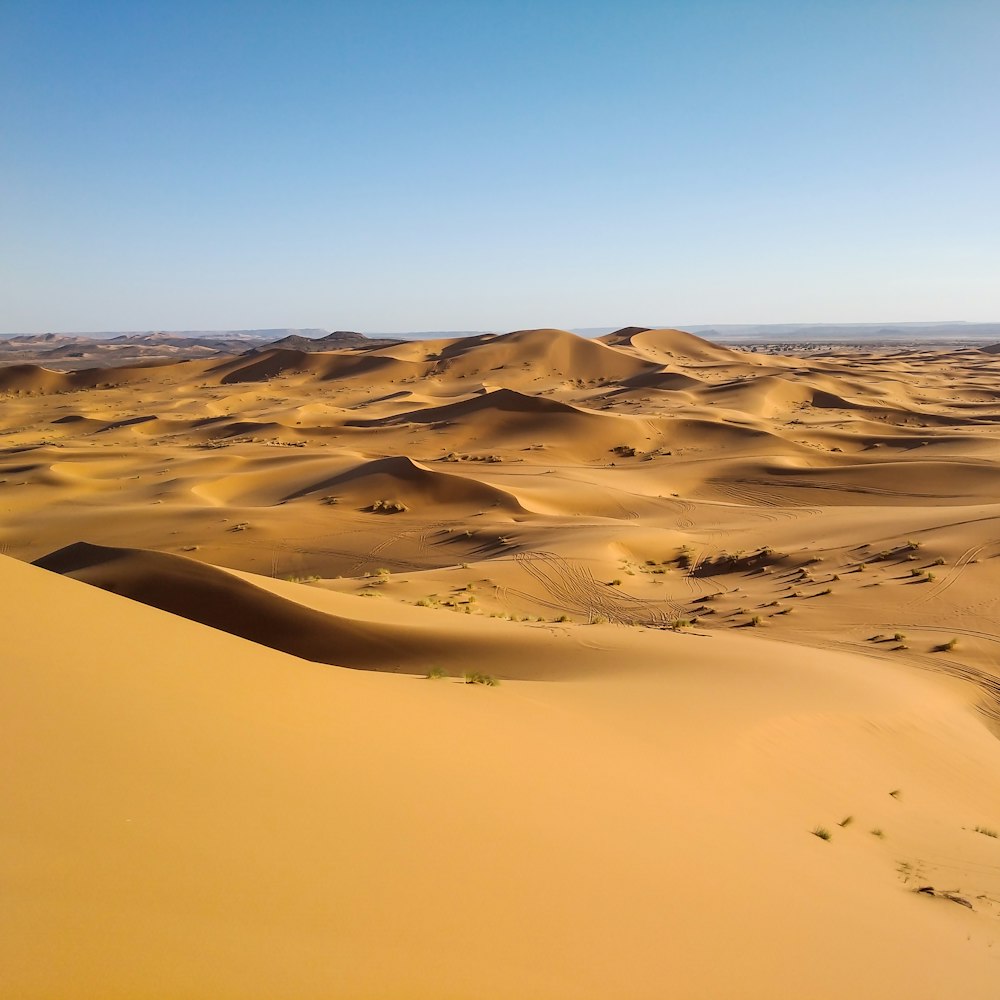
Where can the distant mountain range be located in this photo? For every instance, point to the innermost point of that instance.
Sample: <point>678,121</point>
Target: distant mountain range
<point>337,341</point>
<point>262,336</point>
<point>74,351</point>
<point>826,332</point>
<point>164,336</point>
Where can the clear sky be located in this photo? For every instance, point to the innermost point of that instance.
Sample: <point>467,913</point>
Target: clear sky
<point>495,164</point>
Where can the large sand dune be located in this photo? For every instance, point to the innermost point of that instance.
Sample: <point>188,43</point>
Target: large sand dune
<point>731,600</point>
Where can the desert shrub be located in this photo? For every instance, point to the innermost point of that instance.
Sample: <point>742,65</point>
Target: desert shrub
<point>388,507</point>
<point>484,679</point>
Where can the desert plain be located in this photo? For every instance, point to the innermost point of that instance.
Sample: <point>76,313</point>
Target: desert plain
<point>519,666</point>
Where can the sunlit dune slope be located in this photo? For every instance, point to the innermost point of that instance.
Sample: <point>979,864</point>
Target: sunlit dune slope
<point>194,815</point>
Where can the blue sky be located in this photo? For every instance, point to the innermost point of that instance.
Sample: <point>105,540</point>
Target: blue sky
<point>495,164</point>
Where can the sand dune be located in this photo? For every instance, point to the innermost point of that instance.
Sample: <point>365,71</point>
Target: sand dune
<point>533,355</point>
<point>732,600</point>
<point>267,365</point>
<point>558,838</point>
<point>32,378</point>
<point>401,480</point>
<point>320,627</point>
<point>495,402</point>
<point>213,597</point>
<point>673,346</point>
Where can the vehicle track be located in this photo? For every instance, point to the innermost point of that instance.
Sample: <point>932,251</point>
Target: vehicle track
<point>739,493</point>
<point>570,587</point>
<point>953,574</point>
<point>420,531</point>
<point>988,684</point>
<point>833,487</point>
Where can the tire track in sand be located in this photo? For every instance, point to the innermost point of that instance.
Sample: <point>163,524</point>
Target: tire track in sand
<point>570,587</point>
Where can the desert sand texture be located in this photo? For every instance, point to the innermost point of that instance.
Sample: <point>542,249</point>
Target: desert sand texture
<point>741,610</point>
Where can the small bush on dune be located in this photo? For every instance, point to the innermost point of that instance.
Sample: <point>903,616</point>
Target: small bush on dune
<point>388,507</point>
<point>485,679</point>
<point>822,832</point>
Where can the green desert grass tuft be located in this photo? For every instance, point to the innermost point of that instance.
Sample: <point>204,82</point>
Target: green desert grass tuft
<point>484,679</point>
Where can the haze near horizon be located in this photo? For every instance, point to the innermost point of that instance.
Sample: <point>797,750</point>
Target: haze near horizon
<point>497,165</point>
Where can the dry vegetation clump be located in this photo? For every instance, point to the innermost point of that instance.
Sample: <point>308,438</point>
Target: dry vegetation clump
<point>388,507</point>
<point>484,679</point>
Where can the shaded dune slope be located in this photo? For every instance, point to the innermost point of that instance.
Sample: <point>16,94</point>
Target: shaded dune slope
<point>499,402</point>
<point>233,604</point>
<point>261,367</point>
<point>215,598</point>
<point>399,478</point>
<point>512,419</point>
<point>32,378</point>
